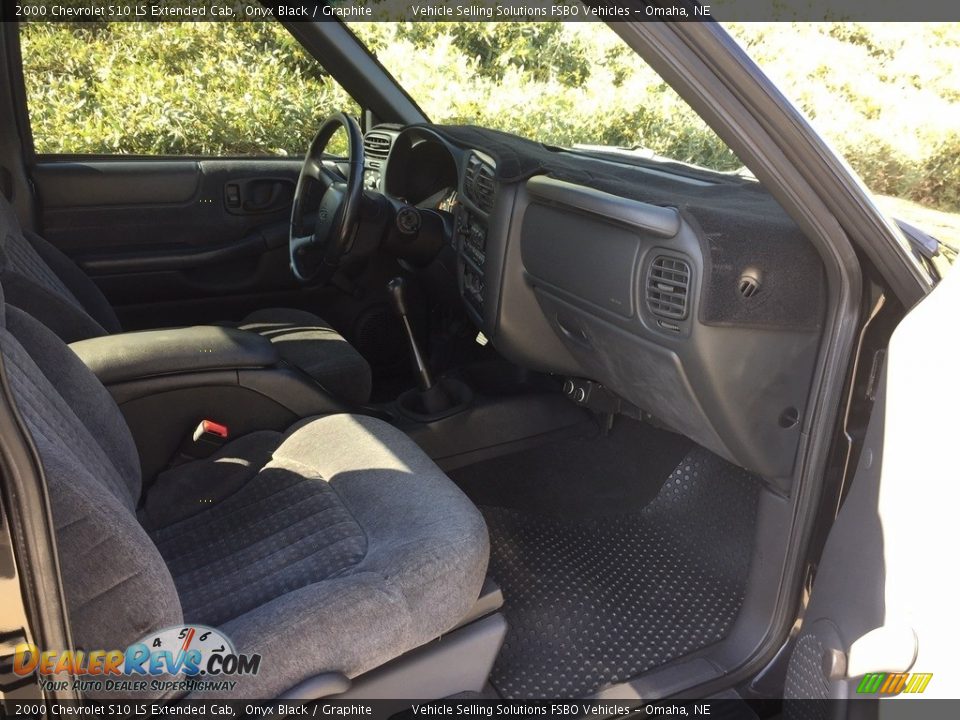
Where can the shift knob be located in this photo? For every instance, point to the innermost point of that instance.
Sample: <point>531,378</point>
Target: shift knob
<point>398,295</point>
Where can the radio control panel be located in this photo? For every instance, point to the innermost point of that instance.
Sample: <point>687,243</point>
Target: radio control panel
<point>471,245</point>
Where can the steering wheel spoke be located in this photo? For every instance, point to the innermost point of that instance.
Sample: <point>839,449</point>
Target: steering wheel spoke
<point>329,177</point>
<point>316,170</point>
<point>312,256</point>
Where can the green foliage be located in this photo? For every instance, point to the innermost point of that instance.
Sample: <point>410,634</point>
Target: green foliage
<point>886,96</point>
<point>887,99</point>
<point>561,84</point>
<point>217,88</point>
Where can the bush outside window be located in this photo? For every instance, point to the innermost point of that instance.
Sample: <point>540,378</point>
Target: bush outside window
<point>170,88</point>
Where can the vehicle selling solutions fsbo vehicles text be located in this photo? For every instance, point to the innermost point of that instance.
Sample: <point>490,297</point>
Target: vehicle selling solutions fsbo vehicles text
<point>511,11</point>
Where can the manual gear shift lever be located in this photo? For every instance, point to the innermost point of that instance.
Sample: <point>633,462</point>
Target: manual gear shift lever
<point>397,289</point>
<point>428,402</point>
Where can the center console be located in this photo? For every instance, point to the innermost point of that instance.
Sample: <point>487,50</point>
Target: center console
<point>476,199</point>
<point>167,381</point>
<point>471,244</point>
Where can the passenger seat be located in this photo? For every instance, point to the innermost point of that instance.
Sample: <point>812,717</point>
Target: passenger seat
<point>335,546</point>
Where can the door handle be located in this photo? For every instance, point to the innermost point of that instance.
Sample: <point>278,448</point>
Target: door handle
<point>258,195</point>
<point>263,198</point>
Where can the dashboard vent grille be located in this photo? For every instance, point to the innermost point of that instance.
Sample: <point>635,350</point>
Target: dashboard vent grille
<point>479,184</point>
<point>668,283</point>
<point>376,146</point>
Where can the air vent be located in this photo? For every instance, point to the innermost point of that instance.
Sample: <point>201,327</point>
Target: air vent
<point>479,185</point>
<point>749,284</point>
<point>376,146</point>
<point>668,283</point>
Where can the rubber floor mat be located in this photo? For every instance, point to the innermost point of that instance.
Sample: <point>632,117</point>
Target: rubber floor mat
<point>597,600</point>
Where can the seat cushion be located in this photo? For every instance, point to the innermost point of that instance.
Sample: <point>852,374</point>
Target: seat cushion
<point>311,344</point>
<point>336,546</point>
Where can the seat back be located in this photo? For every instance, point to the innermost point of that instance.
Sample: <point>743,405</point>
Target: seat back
<point>40,279</point>
<point>116,585</point>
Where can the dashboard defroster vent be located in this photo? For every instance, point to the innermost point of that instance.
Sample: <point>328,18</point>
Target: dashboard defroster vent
<point>668,285</point>
<point>479,185</point>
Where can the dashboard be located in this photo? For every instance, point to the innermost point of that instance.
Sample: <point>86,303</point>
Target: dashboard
<point>689,294</point>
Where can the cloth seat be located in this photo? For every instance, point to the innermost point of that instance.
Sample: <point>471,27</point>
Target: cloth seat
<point>40,279</point>
<point>335,546</point>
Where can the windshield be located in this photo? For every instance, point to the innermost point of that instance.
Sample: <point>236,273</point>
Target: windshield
<point>572,85</point>
<point>887,100</point>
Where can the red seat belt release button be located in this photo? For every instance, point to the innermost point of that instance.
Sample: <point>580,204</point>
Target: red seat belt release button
<point>209,427</point>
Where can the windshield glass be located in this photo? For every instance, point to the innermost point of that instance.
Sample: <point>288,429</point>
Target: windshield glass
<point>573,85</point>
<point>887,99</point>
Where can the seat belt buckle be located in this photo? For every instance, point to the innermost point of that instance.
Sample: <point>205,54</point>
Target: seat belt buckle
<point>208,437</point>
<point>210,431</point>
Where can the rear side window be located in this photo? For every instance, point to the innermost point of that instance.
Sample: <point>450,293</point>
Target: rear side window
<point>172,88</point>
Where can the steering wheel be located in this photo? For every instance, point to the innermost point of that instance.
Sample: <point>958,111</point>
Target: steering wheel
<point>315,252</point>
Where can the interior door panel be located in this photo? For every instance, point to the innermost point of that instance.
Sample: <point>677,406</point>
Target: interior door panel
<point>170,241</point>
<point>97,205</point>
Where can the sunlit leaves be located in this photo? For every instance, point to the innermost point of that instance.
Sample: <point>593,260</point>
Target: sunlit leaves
<point>215,88</point>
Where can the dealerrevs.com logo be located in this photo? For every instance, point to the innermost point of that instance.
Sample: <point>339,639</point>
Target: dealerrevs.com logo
<point>193,658</point>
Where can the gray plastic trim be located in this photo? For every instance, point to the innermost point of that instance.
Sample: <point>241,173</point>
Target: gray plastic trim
<point>490,600</point>
<point>457,662</point>
<point>318,686</point>
<point>662,222</point>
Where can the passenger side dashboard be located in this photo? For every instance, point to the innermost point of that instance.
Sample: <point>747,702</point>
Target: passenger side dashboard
<point>567,278</point>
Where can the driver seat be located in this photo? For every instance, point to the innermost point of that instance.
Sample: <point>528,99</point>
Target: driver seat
<point>44,282</point>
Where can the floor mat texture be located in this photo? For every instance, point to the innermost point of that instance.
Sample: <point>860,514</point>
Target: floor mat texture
<point>598,597</point>
<point>590,476</point>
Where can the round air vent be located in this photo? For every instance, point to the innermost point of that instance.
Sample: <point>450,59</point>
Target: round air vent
<point>749,284</point>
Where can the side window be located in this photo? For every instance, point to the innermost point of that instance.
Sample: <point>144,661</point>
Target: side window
<point>172,88</point>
